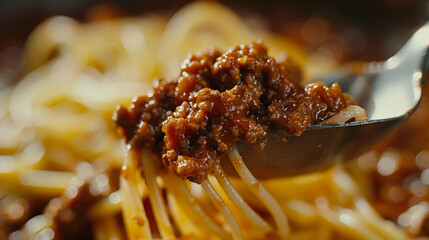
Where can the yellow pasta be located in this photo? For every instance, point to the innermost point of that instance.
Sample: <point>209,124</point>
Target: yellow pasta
<point>59,116</point>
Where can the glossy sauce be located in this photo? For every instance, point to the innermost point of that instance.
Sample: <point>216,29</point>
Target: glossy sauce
<point>219,99</point>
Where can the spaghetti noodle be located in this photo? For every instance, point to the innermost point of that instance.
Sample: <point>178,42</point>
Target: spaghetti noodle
<point>57,137</point>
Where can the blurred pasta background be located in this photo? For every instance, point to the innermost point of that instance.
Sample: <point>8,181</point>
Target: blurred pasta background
<point>58,91</point>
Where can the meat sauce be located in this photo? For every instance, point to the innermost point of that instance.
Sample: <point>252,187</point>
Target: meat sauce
<point>219,99</point>
<point>70,211</point>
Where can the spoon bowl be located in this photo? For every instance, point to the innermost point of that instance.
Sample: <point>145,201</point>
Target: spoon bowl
<point>389,92</point>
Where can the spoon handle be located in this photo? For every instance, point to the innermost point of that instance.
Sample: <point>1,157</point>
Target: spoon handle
<point>413,55</point>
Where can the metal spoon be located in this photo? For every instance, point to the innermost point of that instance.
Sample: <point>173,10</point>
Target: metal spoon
<point>389,92</point>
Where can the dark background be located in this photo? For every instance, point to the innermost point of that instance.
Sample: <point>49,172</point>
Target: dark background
<point>363,30</point>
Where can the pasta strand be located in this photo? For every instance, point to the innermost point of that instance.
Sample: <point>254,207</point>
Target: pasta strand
<point>155,197</point>
<point>136,221</point>
<point>235,197</point>
<point>235,228</point>
<point>268,200</point>
<point>191,206</point>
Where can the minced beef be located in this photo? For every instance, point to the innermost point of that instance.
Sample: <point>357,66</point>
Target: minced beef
<point>219,99</point>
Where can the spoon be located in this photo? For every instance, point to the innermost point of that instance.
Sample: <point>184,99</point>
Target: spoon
<point>389,92</point>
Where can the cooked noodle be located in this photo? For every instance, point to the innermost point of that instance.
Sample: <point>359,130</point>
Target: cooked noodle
<point>351,112</point>
<point>59,116</point>
<point>263,195</point>
<point>235,197</point>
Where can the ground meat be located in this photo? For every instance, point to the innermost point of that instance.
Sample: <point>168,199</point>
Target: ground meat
<point>69,211</point>
<point>219,99</point>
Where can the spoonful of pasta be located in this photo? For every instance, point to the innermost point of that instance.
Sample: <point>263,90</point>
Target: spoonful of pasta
<point>244,102</point>
<point>389,92</point>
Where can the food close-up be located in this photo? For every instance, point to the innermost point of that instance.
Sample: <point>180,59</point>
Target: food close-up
<point>214,120</point>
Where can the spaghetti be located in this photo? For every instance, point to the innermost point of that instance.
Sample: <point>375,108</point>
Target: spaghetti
<point>57,139</point>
